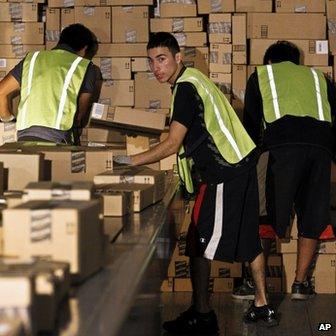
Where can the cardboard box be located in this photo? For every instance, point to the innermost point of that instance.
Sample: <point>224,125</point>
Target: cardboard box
<point>130,24</point>
<point>76,191</point>
<point>223,81</point>
<point>117,93</point>
<point>129,2</point>
<point>60,3</point>
<point>135,174</point>
<point>175,25</point>
<point>22,12</point>
<point>239,47</point>
<point>122,50</point>
<point>97,19</point>
<point>193,39</point>
<point>300,6</point>
<point>175,9</point>
<point>220,28</point>
<point>149,93</point>
<point>314,52</point>
<point>104,135</point>
<point>68,231</point>
<point>196,58</point>
<point>331,8</point>
<point>18,50</point>
<point>253,5</point>
<point>53,24</point>
<point>114,67</point>
<point>67,17</point>
<point>21,33</point>
<point>116,202</point>
<point>123,117</point>
<point>275,26</point>
<point>221,6</point>
<point>325,274</point>
<point>139,64</point>
<point>220,58</point>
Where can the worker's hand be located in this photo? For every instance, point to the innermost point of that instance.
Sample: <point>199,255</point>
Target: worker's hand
<point>122,159</point>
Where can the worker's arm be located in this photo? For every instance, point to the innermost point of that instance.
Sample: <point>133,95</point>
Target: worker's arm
<point>7,86</point>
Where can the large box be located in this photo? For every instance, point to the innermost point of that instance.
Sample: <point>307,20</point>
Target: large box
<point>130,24</point>
<point>97,19</point>
<point>129,2</point>
<point>149,93</point>
<point>220,58</point>
<point>254,6</point>
<point>196,58</point>
<point>135,175</point>
<point>114,67</point>
<point>122,50</point>
<point>275,26</point>
<point>22,33</point>
<point>331,8</point>
<point>67,231</point>
<point>175,25</point>
<point>210,6</point>
<point>117,93</point>
<point>220,28</point>
<point>132,119</point>
<point>300,6</point>
<point>23,12</point>
<point>325,274</point>
<point>314,52</point>
<point>175,9</point>
<point>239,48</point>
<point>192,39</point>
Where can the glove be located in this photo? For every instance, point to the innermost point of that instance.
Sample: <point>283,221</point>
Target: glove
<point>122,159</point>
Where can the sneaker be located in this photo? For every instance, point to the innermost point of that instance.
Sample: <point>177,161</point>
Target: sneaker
<point>245,291</point>
<point>265,314</point>
<point>302,290</point>
<point>192,322</point>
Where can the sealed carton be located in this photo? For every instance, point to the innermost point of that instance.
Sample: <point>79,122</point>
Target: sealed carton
<point>117,93</point>
<point>196,57</point>
<point>177,9</point>
<point>21,33</point>
<point>300,6</point>
<point>220,28</point>
<point>220,58</point>
<point>254,6</point>
<point>210,6</point>
<point>175,25</point>
<point>192,39</point>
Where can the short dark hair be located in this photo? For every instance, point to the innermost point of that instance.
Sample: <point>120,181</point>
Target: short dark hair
<point>282,51</point>
<point>77,36</point>
<point>164,39</point>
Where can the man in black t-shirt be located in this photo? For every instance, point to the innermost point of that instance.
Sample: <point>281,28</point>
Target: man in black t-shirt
<point>224,223</point>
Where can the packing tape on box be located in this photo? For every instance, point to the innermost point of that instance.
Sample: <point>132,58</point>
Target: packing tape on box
<point>332,26</point>
<point>155,104</point>
<point>127,9</point>
<point>15,11</point>
<point>19,27</point>
<point>18,50</point>
<point>78,162</point>
<point>216,6</point>
<point>219,27</point>
<point>177,25</point>
<point>213,57</point>
<point>130,35</point>
<point>227,58</point>
<point>40,225</point>
<point>181,39</point>
<point>300,9</point>
<point>89,11</point>
<point>52,35</point>
<point>126,179</point>
<point>16,39</point>
<point>106,67</point>
<point>68,3</point>
<point>190,52</point>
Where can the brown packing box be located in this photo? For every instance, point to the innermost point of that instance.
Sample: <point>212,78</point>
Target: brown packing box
<point>116,202</point>
<point>193,39</point>
<point>53,24</point>
<point>67,17</point>
<point>314,52</point>
<point>75,190</point>
<point>122,50</point>
<point>210,6</point>
<point>22,33</point>
<point>130,24</point>
<point>149,93</point>
<point>275,26</point>
<point>139,144</point>
<point>33,1</point>
<point>223,81</point>
<point>103,135</point>
<point>239,47</point>
<point>97,19</point>
<point>60,3</point>
<point>325,274</point>
<point>253,5</point>
<point>12,325</point>
<point>114,67</point>
<point>220,58</point>
<point>22,168</point>
<point>300,6</point>
<point>136,197</point>
<point>139,174</point>
<point>174,25</point>
<point>129,2</point>
<point>239,82</point>
<point>18,50</point>
<point>19,12</point>
<point>173,9</point>
<point>220,28</point>
<point>196,57</point>
<point>6,65</point>
<point>117,93</point>
<point>139,64</point>
<point>130,118</point>
<point>90,3</point>
<point>331,8</point>
<point>7,132</point>
<point>68,231</point>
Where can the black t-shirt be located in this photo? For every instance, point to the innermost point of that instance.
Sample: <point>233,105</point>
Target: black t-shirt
<point>188,110</point>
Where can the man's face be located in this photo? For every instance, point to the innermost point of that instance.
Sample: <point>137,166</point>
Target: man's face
<point>163,64</point>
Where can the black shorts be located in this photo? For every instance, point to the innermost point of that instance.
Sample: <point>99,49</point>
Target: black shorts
<point>225,220</point>
<point>299,176</point>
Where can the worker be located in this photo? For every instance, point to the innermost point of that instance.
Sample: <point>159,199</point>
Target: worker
<point>206,132</point>
<point>289,111</point>
<point>56,88</point>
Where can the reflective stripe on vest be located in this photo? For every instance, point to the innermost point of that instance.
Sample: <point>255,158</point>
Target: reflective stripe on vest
<point>51,81</point>
<point>289,89</point>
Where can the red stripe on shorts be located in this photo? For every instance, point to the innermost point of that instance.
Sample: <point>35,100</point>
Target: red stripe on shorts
<point>198,203</point>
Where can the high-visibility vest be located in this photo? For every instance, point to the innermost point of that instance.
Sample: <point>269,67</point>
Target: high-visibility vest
<point>221,121</point>
<point>296,90</point>
<point>50,85</point>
